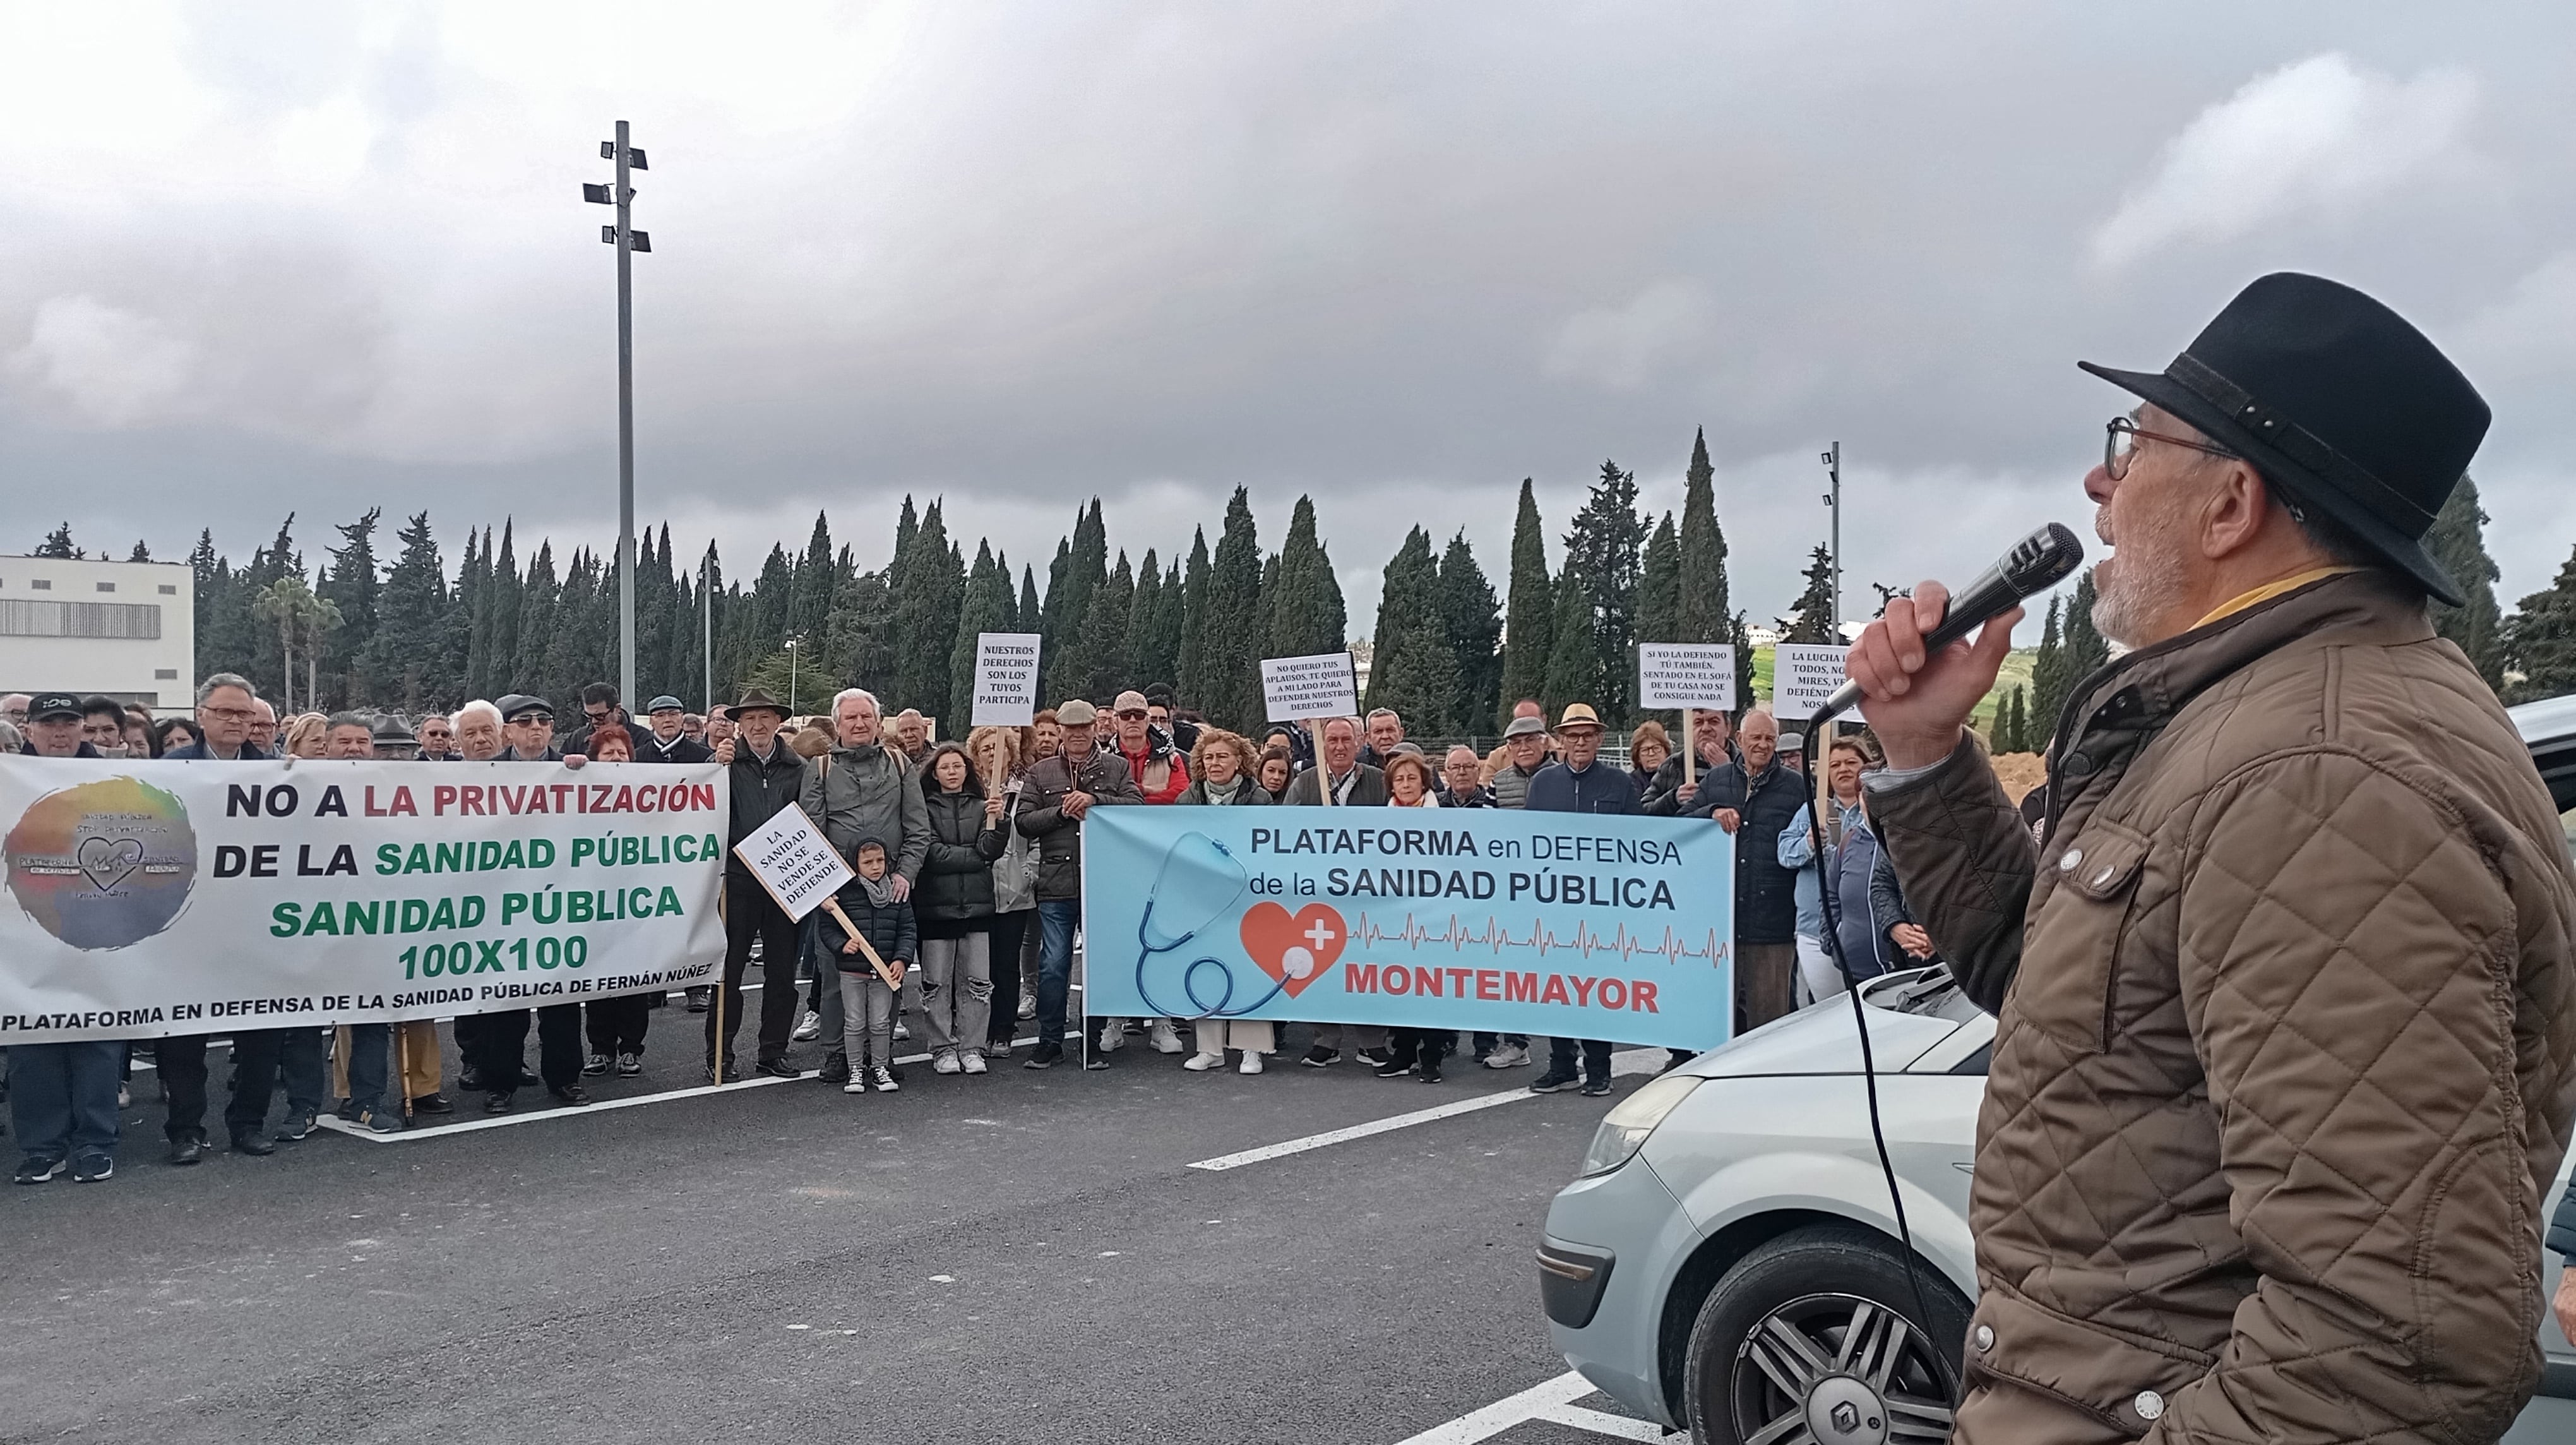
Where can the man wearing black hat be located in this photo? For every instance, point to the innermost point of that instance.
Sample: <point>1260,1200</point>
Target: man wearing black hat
<point>62,1097</point>
<point>500,1039</point>
<point>765,775</point>
<point>2286,1047</point>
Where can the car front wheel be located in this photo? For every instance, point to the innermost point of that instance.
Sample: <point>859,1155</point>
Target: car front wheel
<point>1815,1338</point>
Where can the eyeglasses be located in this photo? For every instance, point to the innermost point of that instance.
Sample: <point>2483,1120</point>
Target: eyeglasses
<point>230,714</point>
<point>2120,446</point>
<point>1132,716</point>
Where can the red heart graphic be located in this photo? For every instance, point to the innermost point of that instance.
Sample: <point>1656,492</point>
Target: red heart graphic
<point>1294,949</point>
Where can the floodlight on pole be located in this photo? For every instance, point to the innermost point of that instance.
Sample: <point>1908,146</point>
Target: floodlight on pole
<point>1833,461</point>
<point>627,240</point>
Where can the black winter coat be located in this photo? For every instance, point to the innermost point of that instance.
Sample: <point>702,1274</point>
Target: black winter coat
<point>890,930</point>
<point>1105,778</point>
<point>957,878</point>
<point>1766,894</point>
<point>759,791</point>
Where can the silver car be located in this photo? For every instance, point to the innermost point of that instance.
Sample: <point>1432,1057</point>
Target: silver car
<point>1728,1263</point>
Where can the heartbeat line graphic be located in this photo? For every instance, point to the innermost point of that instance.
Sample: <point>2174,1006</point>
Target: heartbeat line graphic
<point>1496,936</point>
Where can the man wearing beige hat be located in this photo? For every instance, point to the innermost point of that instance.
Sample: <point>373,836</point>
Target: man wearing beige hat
<point>1578,782</point>
<point>1061,791</point>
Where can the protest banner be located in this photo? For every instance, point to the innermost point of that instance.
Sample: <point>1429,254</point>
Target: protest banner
<point>1803,675</point>
<point>1570,925</point>
<point>149,898</point>
<point>1311,690</point>
<point>1006,680</point>
<point>1689,676</point>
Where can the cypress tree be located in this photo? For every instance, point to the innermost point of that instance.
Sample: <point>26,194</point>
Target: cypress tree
<point>1031,616</point>
<point>1086,569</point>
<point>1574,666</point>
<point>1307,615</point>
<point>1812,622</point>
<point>1051,617</point>
<point>988,609</point>
<point>542,645</point>
<point>1529,624</point>
<point>1605,548</point>
<point>1659,584</point>
<point>815,580</point>
<point>476,593</point>
<point>509,592</point>
<point>1412,668</point>
<point>1706,613</point>
<point>858,641</point>
<point>1471,621</point>
<point>2541,639</point>
<point>351,584</point>
<point>1103,650</point>
<point>769,596</point>
<point>1146,660</point>
<point>907,526</point>
<point>2457,540</point>
<point>1230,644</point>
<point>2085,650</point>
<point>929,585</point>
<point>2049,678</point>
<point>1190,681</point>
<point>2022,741</point>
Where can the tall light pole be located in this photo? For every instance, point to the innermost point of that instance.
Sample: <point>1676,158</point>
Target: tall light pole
<point>707,639</point>
<point>791,675</point>
<point>1833,461</point>
<point>627,240</point>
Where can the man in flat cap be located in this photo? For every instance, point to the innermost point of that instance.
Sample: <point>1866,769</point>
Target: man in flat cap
<point>2286,1050</point>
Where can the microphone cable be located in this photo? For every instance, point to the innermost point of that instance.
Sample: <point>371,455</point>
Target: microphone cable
<point>1833,941</point>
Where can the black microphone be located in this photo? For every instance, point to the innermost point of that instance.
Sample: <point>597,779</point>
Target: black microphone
<point>2038,561</point>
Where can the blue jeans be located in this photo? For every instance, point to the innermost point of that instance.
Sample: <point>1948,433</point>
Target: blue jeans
<point>62,1098</point>
<point>1056,920</point>
<point>369,1047</point>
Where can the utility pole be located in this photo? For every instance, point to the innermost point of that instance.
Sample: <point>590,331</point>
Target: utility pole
<point>627,240</point>
<point>707,642</point>
<point>1833,461</point>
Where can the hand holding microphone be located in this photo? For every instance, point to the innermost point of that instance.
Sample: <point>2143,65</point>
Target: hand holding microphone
<point>1913,671</point>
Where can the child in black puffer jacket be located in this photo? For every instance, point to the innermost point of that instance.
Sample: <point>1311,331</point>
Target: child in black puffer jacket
<point>867,1002</point>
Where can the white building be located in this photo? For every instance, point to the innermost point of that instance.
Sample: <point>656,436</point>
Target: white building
<point>126,630</point>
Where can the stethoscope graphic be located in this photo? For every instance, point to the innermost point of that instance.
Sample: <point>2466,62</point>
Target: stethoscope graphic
<point>1206,881</point>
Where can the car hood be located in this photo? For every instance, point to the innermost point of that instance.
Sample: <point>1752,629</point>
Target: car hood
<point>1822,1039</point>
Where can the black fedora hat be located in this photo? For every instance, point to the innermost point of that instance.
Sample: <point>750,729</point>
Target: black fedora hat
<point>2336,400</point>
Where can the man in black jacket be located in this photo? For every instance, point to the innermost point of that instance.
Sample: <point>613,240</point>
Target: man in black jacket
<point>1713,737</point>
<point>1754,798</point>
<point>499,1039</point>
<point>669,742</point>
<point>1578,782</point>
<point>1061,791</point>
<point>62,1096</point>
<point>766,775</point>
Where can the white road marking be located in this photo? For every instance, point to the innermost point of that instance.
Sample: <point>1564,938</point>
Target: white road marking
<point>1631,1061</point>
<point>420,1132</point>
<point>1551,1401</point>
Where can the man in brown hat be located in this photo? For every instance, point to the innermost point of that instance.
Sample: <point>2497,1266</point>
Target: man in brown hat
<point>765,776</point>
<point>1579,782</point>
<point>2287,1041</point>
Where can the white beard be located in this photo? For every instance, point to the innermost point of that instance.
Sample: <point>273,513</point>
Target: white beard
<point>2142,581</point>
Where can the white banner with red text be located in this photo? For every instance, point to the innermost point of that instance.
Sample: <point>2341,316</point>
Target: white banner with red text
<point>152,898</point>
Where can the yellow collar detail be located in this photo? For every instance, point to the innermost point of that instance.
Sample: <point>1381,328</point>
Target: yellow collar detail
<point>2270,590</point>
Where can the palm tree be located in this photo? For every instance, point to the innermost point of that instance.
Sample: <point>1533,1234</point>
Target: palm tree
<point>300,617</point>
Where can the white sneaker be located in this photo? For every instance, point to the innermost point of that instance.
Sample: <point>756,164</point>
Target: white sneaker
<point>1029,1006</point>
<point>856,1085</point>
<point>1112,1038</point>
<point>1201,1063</point>
<point>1507,1056</point>
<point>808,1028</point>
<point>1251,1062</point>
<point>1166,1039</point>
<point>902,1030</point>
<point>972,1063</point>
<point>946,1063</point>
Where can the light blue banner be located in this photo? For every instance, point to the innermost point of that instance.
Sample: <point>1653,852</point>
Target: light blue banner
<point>1563,924</point>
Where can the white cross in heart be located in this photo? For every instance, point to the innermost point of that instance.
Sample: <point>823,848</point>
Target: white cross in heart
<point>1319,935</point>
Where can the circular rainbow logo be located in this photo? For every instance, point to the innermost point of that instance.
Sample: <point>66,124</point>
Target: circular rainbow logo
<point>103,864</point>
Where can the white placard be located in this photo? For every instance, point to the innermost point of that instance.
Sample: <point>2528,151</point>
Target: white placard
<point>1686,674</point>
<point>793,860</point>
<point>1006,679</point>
<point>1298,688</point>
<point>1803,675</point>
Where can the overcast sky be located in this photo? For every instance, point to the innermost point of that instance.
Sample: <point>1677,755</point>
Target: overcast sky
<point>326,256</point>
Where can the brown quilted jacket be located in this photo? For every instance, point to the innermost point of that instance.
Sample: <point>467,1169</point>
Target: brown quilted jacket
<point>2287,1040</point>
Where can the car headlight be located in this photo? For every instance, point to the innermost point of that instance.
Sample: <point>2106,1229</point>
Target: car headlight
<point>1624,1129</point>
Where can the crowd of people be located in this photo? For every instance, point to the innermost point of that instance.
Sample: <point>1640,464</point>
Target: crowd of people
<point>960,924</point>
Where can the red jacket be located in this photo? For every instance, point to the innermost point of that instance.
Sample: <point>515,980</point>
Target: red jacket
<point>1152,759</point>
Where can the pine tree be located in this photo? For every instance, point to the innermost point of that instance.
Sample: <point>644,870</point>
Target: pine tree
<point>351,584</point>
<point>58,544</point>
<point>988,609</point>
<point>1307,616</point>
<point>1574,666</point>
<point>2086,652</point>
<point>2458,541</point>
<point>142,551</point>
<point>1605,548</point>
<point>410,643</point>
<point>1471,621</point>
<point>2541,639</point>
<point>1659,584</point>
<point>1813,621</point>
<point>1706,613</point>
<point>2050,677</point>
<point>858,641</point>
<point>1412,668</point>
<point>1230,643</point>
<point>1190,667</point>
<point>1530,624</point>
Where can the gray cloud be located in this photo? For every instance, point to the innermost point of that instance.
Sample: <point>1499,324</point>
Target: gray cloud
<point>1395,258</point>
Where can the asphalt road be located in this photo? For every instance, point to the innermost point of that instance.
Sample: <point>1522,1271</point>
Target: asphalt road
<point>1021,1256</point>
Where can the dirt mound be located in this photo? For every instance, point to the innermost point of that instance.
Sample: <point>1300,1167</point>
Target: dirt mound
<point>2020,772</point>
